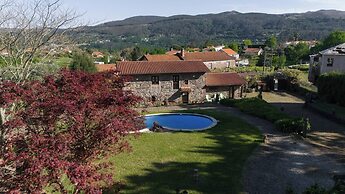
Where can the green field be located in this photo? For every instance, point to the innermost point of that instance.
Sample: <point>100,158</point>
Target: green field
<point>163,162</point>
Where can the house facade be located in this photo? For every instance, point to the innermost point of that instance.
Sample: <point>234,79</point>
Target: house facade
<point>330,60</point>
<point>160,81</point>
<point>178,81</point>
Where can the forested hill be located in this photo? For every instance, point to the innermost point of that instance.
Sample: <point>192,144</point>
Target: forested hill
<point>215,28</point>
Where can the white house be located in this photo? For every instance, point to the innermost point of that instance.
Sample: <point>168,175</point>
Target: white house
<point>330,60</point>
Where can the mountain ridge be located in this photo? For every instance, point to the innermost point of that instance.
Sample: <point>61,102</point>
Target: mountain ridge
<point>225,27</point>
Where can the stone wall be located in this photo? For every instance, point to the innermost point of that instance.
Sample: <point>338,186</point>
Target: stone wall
<point>225,90</point>
<point>142,86</point>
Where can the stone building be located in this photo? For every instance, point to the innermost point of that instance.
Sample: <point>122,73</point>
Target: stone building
<point>178,81</point>
<point>174,81</point>
<point>228,85</point>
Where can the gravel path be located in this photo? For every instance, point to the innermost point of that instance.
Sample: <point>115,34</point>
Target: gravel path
<point>282,162</point>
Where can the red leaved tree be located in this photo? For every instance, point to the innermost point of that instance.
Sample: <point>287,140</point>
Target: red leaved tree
<point>59,127</point>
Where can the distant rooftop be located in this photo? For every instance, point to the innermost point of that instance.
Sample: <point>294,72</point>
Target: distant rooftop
<point>337,50</point>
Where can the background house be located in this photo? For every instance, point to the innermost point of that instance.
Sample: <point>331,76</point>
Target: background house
<point>330,60</point>
<point>212,60</point>
<point>231,53</point>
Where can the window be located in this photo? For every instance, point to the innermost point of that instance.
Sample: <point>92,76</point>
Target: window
<point>330,62</point>
<point>176,82</point>
<point>155,80</point>
<point>153,98</point>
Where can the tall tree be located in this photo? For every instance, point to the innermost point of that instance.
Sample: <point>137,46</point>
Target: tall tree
<point>247,42</point>
<point>34,30</point>
<point>294,54</point>
<point>63,124</point>
<point>82,61</point>
<point>234,46</point>
<point>335,38</point>
<point>271,42</point>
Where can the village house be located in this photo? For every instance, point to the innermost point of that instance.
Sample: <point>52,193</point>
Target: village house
<point>329,60</point>
<point>179,81</point>
<point>231,53</point>
<point>213,60</point>
<point>97,55</point>
<point>253,51</point>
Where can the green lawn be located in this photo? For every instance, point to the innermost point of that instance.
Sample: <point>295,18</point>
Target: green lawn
<point>163,162</point>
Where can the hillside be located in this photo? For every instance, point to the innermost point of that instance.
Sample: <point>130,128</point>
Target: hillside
<point>217,28</point>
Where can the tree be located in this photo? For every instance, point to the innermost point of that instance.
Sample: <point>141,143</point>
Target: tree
<point>234,46</point>
<point>247,42</point>
<point>294,54</point>
<point>136,53</point>
<point>33,31</point>
<point>279,61</point>
<point>61,126</point>
<point>271,42</point>
<point>335,38</point>
<point>82,61</point>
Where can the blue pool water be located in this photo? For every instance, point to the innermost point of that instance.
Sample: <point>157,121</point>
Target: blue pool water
<point>181,122</point>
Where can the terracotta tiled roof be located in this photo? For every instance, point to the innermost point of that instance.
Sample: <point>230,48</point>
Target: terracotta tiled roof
<point>207,56</point>
<point>105,67</point>
<point>164,57</point>
<point>252,50</point>
<point>160,67</point>
<point>229,51</point>
<point>172,52</point>
<point>224,79</point>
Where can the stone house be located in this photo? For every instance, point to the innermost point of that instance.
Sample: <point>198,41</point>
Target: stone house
<point>213,60</point>
<point>229,85</point>
<point>253,51</point>
<point>330,60</point>
<point>174,81</point>
<point>178,81</point>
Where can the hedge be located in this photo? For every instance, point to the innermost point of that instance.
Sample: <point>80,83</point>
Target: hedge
<point>331,88</point>
<point>264,110</point>
<point>256,107</point>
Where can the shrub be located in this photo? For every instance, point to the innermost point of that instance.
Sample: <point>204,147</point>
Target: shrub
<point>315,189</point>
<point>256,107</point>
<point>297,125</point>
<point>228,102</point>
<point>331,87</point>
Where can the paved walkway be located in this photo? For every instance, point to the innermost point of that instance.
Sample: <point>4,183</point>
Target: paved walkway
<point>282,162</point>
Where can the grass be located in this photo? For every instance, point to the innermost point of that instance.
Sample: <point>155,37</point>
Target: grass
<point>163,162</point>
<point>63,62</point>
<point>257,107</point>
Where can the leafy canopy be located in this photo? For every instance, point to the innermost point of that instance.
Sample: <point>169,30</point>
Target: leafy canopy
<point>62,124</point>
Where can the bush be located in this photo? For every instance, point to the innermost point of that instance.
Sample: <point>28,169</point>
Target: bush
<point>297,125</point>
<point>228,102</point>
<point>315,189</point>
<point>256,107</point>
<point>331,87</point>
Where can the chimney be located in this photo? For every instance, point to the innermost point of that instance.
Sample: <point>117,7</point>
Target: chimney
<point>182,53</point>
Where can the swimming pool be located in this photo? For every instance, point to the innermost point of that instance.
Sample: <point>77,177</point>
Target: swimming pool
<point>181,121</point>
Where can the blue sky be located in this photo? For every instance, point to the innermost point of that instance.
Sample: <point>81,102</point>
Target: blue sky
<point>97,11</point>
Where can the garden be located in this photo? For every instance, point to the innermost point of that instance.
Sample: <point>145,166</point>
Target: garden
<point>201,162</point>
